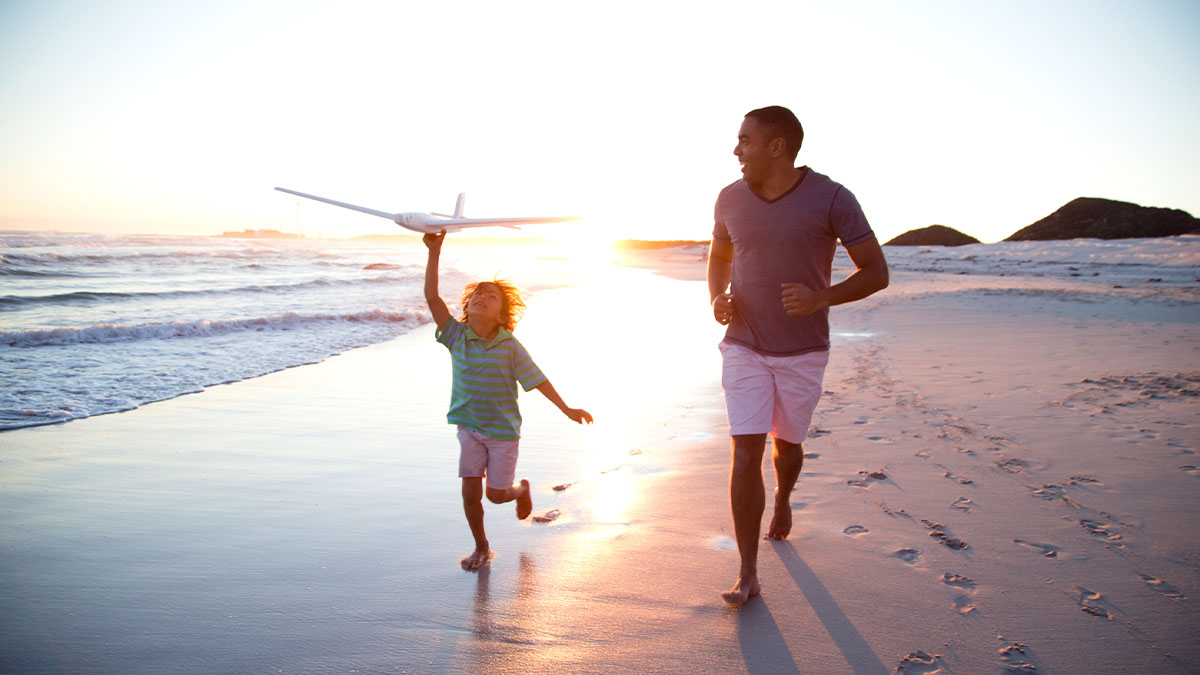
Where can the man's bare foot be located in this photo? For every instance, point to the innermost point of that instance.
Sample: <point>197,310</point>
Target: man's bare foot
<point>742,591</point>
<point>781,522</point>
<point>477,559</point>
<point>524,501</point>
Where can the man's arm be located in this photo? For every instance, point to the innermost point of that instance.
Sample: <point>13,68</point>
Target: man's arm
<point>576,414</point>
<point>437,306</point>
<point>720,273</point>
<point>870,276</point>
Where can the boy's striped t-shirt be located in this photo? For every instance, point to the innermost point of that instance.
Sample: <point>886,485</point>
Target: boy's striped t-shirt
<point>486,373</point>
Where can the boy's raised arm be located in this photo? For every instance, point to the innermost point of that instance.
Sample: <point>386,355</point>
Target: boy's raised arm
<point>437,306</point>
<point>576,414</point>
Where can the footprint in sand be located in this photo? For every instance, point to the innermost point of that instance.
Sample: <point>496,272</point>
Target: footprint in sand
<point>960,479</point>
<point>962,604</point>
<point>1017,657</point>
<point>938,531</point>
<point>1047,550</point>
<point>921,663</point>
<point>1188,468</point>
<point>1099,529</point>
<point>958,581</point>
<point>547,516</point>
<point>855,530</point>
<point>962,504</point>
<point>1012,464</point>
<point>908,555</point>
<point>1090,601</point>
<point>1159,586</point>
<point>562,486</point>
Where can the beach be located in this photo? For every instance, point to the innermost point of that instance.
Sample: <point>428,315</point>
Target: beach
<point>1001,477</point>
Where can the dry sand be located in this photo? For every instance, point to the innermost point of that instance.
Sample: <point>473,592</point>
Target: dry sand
<point>1002,478</point>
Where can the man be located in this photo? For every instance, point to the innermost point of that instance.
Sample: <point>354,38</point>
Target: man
<point>775,234</point>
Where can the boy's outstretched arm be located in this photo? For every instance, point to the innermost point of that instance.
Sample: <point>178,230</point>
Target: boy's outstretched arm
<point>576,414</point>
<point>437,306</point>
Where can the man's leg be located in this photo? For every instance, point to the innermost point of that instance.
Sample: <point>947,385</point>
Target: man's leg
<point>788,459</point>
<point>747,499</point>
<point>472,494</point>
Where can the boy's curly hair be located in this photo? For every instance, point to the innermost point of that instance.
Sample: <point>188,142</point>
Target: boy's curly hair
<point>512,307</point>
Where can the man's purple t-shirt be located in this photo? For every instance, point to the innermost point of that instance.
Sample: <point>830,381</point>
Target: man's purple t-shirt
<point>791,238</point>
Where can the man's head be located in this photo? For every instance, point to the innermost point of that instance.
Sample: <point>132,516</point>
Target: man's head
<point>496,300</point>
<point>777,121</point>
<point>768,142</point>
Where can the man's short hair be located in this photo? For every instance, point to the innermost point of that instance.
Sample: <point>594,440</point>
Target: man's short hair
<point>779,122</point>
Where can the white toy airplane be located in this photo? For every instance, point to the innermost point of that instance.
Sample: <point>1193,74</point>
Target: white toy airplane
<point>433,223</point>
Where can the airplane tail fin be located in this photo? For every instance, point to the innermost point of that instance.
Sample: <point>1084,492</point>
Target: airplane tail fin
<point>458,207</point>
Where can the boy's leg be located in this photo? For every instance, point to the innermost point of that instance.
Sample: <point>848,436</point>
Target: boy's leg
<point>472,494</point>
<point>501,473</point>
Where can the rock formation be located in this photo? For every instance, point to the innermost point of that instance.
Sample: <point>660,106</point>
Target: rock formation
<point>934,235</point>
<point>1093,218</point>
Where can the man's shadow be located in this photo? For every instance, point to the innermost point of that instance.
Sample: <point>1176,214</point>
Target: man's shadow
<point>763,646</point>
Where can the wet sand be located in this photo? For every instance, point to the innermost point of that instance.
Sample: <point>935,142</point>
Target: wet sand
<point>1001,478</point>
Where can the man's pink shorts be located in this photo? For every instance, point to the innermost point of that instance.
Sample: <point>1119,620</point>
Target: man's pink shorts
<point>775,394</point>
<point>481,456</point>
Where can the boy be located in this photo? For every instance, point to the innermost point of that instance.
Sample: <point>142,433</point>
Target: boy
<point>488,362</point>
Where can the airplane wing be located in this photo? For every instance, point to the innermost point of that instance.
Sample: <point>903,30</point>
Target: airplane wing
<point>460,223</point>
<point>344,205</point>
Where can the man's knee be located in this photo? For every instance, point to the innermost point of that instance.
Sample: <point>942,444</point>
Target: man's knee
<point>747,453</point>
<point>788,448</point>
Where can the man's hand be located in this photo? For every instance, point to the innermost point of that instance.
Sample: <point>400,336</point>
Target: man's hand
<point>578,415</point>
<point>800,300</point>
<point>722,306</point>
<point>434,241</point>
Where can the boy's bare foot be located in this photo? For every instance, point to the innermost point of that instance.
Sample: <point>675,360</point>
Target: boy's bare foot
<point>477,559</point>
<point>781,522</point>
<point>524,501</point>
<point>742,591</point>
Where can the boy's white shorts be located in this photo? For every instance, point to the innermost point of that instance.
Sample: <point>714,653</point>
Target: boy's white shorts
<point>775,394</point>
<point>481,455</point>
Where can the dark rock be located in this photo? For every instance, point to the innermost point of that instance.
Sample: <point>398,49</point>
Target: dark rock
<point>1093,218</point>
<point>934,235</point>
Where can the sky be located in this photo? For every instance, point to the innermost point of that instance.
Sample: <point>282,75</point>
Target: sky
<point>138,116</point>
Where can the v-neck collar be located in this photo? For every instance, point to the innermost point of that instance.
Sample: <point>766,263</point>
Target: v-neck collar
<point>804,171</point>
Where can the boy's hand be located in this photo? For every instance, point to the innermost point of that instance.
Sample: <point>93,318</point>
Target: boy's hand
<point>578,415</point>
<point>434,241</point>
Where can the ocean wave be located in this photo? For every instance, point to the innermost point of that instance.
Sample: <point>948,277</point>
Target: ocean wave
<point>14,302</point>
<point>116,333</point>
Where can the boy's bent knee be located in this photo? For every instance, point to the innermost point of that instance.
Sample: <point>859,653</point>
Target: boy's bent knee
<point>497,496</point>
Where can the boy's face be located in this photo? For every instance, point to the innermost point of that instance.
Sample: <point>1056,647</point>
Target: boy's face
<point>486,302</point>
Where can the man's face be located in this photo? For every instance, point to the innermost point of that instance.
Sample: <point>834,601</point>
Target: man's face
<point>753,151</point>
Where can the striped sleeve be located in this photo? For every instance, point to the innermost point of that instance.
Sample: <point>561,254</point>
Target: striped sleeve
<point>524,369</point>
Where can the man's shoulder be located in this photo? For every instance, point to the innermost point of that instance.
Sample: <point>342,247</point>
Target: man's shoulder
<point>735,187</point>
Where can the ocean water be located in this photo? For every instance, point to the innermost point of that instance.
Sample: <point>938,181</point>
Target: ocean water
<point>93,324</point>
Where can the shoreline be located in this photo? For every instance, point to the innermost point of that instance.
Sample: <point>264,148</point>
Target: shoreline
<point>309,519</point>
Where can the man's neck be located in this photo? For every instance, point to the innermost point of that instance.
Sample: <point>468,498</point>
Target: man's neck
<point>778,183</point>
